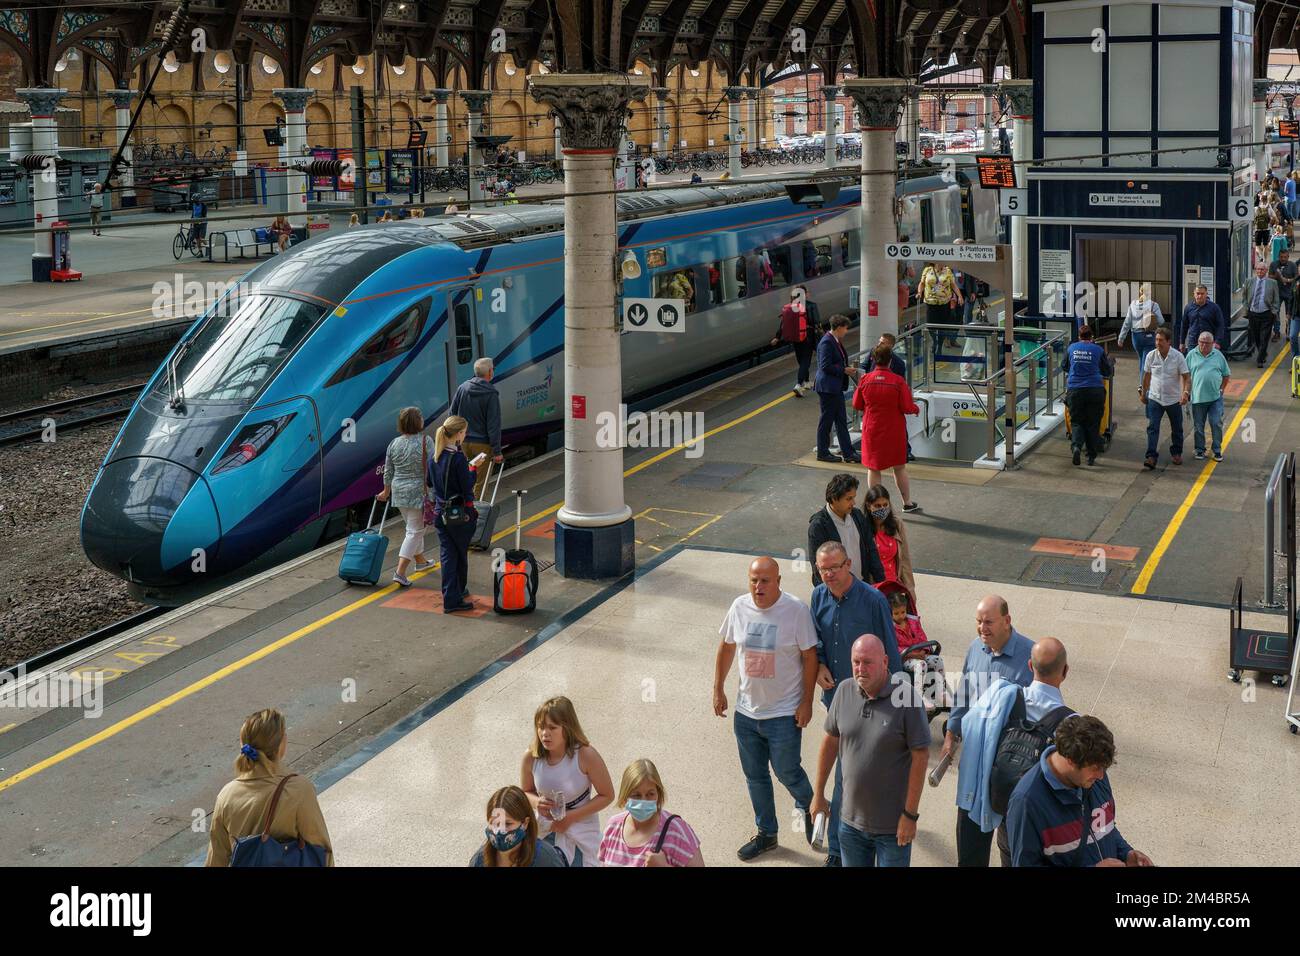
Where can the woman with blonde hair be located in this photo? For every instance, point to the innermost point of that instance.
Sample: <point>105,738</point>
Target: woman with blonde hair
<point>558,773</point>
<point>244,803</point>
<point>644,834</point>
<point>354,220</point>
<point>511,833</point>
<point>454,515</point>
<point>406,467</point>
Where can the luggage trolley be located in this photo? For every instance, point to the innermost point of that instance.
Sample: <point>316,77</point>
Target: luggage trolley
<point>1271,653</point>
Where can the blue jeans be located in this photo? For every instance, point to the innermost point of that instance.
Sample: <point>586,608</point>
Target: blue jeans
<point>833,413</point>
<point>867,849</point>
<point>837,800</point>
<point>1143,342</point>
<point>1214,412</point>
<point>776,741</point>
<point>1293,333</point>
<point>1155,412</point>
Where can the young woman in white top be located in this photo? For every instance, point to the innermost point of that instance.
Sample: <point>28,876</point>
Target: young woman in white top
<point>1142,320</point>
<point>558,774</point>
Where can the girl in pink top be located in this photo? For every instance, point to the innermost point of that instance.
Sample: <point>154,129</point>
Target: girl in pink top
<point>644,834</point>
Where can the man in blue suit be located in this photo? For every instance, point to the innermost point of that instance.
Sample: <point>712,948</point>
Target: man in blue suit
<point>832,381</point>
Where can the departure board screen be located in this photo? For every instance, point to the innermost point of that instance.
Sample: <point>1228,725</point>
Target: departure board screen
<point>996,172</point>
<point>1288,129</point>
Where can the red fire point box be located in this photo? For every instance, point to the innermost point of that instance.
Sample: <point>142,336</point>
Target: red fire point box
<point>579,406</point>
<point>60,255</point>
<point>873,307</point>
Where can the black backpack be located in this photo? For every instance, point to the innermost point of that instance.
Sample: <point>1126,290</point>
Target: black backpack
<point>1019,748</point>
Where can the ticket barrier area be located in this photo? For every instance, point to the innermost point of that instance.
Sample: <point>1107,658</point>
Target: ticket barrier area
<point>959,385</point>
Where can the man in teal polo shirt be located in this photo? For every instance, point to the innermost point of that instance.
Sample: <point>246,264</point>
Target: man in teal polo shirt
<point>1210,374</point>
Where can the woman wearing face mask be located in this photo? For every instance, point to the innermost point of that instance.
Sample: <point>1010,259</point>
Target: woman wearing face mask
<point>559,773</point>
<point>511,833</point>
<point>644,834</point>
<point>891,539</point>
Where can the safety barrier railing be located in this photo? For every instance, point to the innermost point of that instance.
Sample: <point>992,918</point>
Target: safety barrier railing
<point>1275,528</point>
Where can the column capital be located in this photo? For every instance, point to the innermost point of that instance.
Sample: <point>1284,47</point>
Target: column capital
<point>734,93</point>
<point>989,89</point>
<point>660,91</point>
<point>1262,88</point>
<point>475,100</point>
<point>1020,98</point>
<point>591,107</point>
<point>440,96</point>
<point>753,92</point>
<point>41,101</point>
<point>122,98</point>
<point>878,100</point>
<point>830,91</point>
<point>295,100</point>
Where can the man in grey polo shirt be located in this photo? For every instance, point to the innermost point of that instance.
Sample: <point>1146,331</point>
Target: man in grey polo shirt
<point>877,726</point>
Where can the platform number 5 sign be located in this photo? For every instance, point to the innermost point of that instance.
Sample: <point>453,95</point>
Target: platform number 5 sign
<point>1014,202</point>
<point>1242,207</point>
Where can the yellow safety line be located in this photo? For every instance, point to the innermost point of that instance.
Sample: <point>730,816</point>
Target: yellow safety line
<point>7,727</point>
<point>93,318</point>
<point>1171,531</point>
<point>316,625</point>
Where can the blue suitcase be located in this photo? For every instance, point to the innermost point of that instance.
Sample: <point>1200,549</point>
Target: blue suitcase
<point>363,555</point>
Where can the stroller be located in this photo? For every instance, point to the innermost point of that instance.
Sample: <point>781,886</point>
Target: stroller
<point>922,660</point>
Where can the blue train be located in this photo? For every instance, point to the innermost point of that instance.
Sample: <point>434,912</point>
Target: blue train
<point>270,418</point>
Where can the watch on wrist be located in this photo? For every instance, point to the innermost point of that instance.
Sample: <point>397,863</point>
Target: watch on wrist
<point>911,816</point>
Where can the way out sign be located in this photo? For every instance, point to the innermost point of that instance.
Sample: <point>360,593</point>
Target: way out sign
<point>654,315</point>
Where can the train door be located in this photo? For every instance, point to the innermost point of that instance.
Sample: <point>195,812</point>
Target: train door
<point>464,342</point>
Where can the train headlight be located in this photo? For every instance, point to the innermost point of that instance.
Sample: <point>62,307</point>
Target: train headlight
<point>251,441</point>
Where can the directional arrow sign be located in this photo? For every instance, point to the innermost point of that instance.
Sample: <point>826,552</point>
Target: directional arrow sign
<point>654,315</point>
<point>961,252</point>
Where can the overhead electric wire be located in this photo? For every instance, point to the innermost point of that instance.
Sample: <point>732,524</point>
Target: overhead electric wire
<point>840,172</point>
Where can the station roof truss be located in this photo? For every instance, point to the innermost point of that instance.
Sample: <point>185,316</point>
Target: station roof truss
<point>750,41</point>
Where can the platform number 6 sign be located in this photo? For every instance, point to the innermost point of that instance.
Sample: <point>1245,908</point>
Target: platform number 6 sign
<point>1243,208</point>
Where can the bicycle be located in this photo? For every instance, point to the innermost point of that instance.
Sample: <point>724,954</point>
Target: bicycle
<point>187,239</point>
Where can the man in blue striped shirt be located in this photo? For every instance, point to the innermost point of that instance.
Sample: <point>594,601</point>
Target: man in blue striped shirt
<point>999,651</point>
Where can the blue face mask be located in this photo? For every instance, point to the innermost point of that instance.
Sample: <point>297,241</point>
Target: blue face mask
<point>642,810</point>
<point>880,514</point>
<point>507,841</point>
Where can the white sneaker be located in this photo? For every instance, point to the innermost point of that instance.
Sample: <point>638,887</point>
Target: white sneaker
<point>423,567</point>
<point>403,581</point>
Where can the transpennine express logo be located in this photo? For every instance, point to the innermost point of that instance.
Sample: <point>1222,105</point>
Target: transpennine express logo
<point>536,394</point>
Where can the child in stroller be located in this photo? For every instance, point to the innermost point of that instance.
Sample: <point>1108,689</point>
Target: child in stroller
<point>920,654</point>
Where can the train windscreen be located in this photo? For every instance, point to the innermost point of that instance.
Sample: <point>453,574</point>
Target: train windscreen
<point>238,349</point>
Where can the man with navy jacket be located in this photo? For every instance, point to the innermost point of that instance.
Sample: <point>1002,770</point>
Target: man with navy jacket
<point>1062,813</point>
<point>832,381</point>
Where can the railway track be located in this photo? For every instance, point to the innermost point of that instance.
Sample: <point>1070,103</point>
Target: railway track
<point>62,651</point>
<point>31,424</point>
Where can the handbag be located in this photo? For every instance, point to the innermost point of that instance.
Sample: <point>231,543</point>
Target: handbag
<point>455,512</point>
<point>429,507</point>
<point>260,850</point>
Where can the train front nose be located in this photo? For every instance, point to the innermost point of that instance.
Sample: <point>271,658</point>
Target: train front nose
<point>152,522</point>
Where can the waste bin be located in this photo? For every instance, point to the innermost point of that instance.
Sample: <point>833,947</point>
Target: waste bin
<point>61,254</point>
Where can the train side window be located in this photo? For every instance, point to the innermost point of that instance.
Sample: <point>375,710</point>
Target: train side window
<point>773,267</point>
<point>850,254</point>
<point>678,284</point>
<point>464,335</point>
<point>396,337</point>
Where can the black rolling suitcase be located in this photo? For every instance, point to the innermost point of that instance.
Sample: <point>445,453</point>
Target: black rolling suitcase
<point>487,512</point>
<point>514,581</point>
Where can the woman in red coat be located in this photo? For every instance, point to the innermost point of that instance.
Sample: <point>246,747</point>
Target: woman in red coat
<point>884,399</point>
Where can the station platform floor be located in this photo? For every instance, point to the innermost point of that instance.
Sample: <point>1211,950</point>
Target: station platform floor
<point>364,675</point>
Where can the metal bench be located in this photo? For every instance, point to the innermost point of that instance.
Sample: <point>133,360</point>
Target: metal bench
<point>240,239</point>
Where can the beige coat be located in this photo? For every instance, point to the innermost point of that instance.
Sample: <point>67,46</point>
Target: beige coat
<point>905,558</point>
<point>243,802</point>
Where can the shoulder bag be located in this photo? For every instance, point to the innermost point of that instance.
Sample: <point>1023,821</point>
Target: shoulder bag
<point>455,513</point>
<point>663,834</point>
<point>260,850</point>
